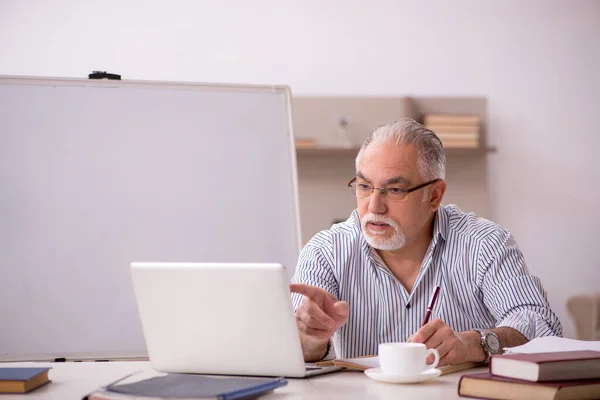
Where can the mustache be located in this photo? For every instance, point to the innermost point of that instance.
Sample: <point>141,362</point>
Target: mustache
<point>380,219</point>
<point>394,242</point>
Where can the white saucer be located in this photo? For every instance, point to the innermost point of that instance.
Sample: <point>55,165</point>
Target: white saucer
<point>378,375</point>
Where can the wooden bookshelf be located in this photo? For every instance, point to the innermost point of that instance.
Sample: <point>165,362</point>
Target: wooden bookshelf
<point>327,152</point>
<point>337,126</point>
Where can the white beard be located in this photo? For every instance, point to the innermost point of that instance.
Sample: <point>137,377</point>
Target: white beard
<point>395,242</point>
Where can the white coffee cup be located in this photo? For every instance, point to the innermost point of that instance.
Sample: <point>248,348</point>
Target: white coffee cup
<point>406,359</point>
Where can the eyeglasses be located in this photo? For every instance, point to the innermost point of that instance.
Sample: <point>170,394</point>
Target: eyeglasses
<point>363,190</point>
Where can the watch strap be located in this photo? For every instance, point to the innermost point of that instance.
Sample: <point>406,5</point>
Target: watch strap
<point>486,350</point>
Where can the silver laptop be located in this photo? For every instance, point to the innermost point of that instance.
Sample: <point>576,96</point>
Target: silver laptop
<point>219,318</point>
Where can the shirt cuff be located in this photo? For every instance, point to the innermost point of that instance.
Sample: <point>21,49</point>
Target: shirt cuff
<point>330,353</point>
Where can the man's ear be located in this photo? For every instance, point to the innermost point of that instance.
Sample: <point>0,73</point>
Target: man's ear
<point>437,191</point>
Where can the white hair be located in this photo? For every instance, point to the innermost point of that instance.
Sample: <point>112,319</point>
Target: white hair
<point>431,156</point>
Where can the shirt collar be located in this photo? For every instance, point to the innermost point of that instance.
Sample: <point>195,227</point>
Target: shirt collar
<point>440,223</point>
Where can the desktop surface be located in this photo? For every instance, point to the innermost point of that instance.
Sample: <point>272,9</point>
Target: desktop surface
<point>74,380</point>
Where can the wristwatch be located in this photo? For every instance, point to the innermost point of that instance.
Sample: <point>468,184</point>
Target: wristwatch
<point>490,343</point>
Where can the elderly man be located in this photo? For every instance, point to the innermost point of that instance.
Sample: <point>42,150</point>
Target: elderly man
<point>369,279</point>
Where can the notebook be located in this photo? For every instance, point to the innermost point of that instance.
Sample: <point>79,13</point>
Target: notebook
<point>220,318</point>
<point>364,363</point>
<point>188,386</point>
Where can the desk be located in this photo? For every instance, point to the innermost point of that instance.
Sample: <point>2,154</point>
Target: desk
<point>73,380</point>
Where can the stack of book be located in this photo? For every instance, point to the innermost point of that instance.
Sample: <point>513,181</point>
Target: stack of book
<point>455,130</point>
<point>553,375</point>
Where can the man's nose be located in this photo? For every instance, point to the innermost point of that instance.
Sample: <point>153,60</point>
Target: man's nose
<point>377,203</point>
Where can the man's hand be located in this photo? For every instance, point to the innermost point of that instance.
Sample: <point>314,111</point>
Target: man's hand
<point>318,316</point>
<point>454,348</point>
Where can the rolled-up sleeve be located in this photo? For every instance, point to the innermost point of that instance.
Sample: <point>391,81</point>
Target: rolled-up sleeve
<point>515,297</point>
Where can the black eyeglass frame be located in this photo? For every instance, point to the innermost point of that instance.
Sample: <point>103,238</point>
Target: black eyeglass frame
<point>385,190</point>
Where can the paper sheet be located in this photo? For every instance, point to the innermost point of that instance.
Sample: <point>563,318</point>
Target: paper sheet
<point>553,343</point>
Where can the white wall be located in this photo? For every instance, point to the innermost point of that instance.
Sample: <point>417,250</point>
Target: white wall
<point>536,61</point>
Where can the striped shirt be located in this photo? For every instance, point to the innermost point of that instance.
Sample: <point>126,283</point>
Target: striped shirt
<point>483,279</point>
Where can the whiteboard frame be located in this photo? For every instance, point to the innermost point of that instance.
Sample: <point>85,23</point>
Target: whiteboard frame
<point>148,84</point>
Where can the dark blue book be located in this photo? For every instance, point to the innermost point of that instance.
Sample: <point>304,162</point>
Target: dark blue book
<point>22,380</point>
<point>199,387</point>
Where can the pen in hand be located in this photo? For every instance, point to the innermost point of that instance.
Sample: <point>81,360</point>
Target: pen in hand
<point>434,296</point>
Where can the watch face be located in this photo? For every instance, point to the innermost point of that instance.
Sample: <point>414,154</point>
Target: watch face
<point>493,344</point>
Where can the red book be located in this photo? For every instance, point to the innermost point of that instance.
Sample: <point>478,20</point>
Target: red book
<point>487,386</point>
<point>541,367</point>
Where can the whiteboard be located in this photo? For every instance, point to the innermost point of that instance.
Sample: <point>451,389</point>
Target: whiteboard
<point>97,174</point>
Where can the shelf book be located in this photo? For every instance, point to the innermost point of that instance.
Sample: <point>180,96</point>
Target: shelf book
<point>305,143</point>
<point>455,130</point>
<point>452,119</point>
